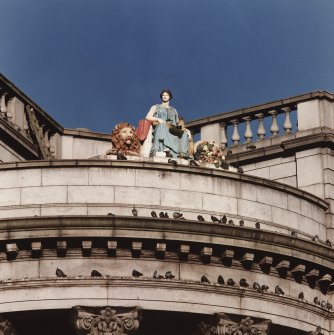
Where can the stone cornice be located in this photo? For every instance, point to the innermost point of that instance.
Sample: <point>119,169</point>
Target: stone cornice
<point>167,230</point>
<point>86,133</point>
<point>166,167</point>
<point>150,283</point>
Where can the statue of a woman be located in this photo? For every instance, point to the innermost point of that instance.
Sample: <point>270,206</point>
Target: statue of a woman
<point>168,136</point>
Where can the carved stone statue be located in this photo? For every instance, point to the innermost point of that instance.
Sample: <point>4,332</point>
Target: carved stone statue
<point>124,140</point>
<point>223,325</point>
<point>106,321</point>
<point>168,135</point>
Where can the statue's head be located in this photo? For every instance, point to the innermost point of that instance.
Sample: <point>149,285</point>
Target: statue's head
<point>126,134</point>
<point>124,138</point>
<point>163,94</point>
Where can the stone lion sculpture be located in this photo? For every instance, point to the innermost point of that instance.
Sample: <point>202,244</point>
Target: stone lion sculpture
<point>124,140</point>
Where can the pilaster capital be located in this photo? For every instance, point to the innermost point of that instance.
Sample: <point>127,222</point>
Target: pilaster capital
<point>224,325</point>
<point>106,320</point>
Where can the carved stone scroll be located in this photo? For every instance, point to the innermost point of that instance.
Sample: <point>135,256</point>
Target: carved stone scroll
<point>223,325</point>
<point>106,321</point>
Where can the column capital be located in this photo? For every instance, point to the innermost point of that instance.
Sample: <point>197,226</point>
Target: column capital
<point>224,325</point>
<point>106,320</point>
<point>6,327</point>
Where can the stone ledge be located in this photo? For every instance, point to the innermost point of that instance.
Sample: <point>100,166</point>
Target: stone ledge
<point>167,230</point>
<point>167,167</point>
<point>87,133</point>
<point>168,284</point>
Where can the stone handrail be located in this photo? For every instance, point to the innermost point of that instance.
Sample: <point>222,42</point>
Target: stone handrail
<point>256,122</point>
<point>28,124</point>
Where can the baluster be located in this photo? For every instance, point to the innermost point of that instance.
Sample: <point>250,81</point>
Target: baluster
<point>235,135</point>
<point>53,145</point>
<point>261,132</point>
<point>3,108</point>
<point>10,110</point>
<point>25,126</point>
<point>223,138</point>
<point>248,130</point>
<point>46,139</point>
<point>40,131</point>
<point>287,123</point>
<point>274,127</point>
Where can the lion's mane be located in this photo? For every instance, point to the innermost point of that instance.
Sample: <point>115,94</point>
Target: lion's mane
<point>119,144</point>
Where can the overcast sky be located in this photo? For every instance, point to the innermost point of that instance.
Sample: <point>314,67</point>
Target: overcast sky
<point>94,63</point>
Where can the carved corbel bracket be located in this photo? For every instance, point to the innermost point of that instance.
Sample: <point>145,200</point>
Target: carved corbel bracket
<point>224,325</point>
<point>106,320</point>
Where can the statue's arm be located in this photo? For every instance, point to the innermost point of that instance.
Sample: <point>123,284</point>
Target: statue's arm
<point>150,116</point>
<point>190,138</point>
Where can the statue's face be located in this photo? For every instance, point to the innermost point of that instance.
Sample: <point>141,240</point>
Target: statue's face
<point>165,97</point>
<point>126,135</point>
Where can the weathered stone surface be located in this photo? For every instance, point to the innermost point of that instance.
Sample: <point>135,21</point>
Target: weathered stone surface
<point>91,194</point>
<point>82,148</point>
<point>102,176</point>
<point>157,179</point>
<point>78,176</point>
<point>201,184</point>
<point>254,209</point>
<point>183,199</point>
<point>44,195</point>
<point>286,218</point>
<point>282,170</point>
<point>271,197</point>
<point>137,195</point>
<point>307,176</point>
<point>20,178</point>
<point>216,203</point>
<point>10,196</point>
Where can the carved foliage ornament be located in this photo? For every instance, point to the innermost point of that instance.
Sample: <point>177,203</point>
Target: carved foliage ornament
<point>225,326</point>
<point>106,322</point>
<point>6,328</point>
<point>318,331</point>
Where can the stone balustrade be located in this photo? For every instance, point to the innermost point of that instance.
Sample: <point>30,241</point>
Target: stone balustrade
<point>31,130</point>
<point>270,120</point>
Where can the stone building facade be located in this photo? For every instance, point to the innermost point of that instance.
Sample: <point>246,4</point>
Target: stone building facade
<point>81,252</point>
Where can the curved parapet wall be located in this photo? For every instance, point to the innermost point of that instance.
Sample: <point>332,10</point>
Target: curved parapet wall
<point>97,188</point>
<point>76,216</point>
<point>115,246</point>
